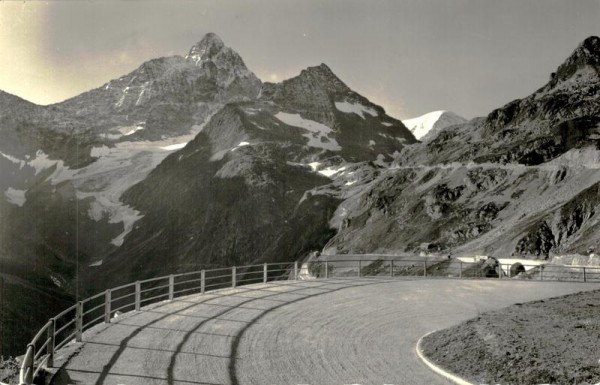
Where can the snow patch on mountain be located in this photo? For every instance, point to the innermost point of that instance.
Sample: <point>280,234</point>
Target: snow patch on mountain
<point>141,97</point>
<point>252,111</point>
<point>106,204</point>
<point>432,122</point>
<point>220,154</point>
<point>398,138</point>
<point>314,165</point>
<point>318,135</point>
<point>121,100</point>
<point>173,147</point>
<point>14,160</point>
<point>421,125</point>
<point>242,144</point>
<point>126,131</point>
<point>114,172</point>
<point>355,108</point>
<point>97,152</point>
<point>111,136</point>
<point>331,171</point>
<point>42,162</point>
<point>14,196</point>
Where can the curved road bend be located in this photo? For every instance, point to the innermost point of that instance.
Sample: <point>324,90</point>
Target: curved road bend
<point>334,331</point>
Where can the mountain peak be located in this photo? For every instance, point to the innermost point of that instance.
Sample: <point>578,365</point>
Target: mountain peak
<point>322,77</point>
<point>586,54</point>
<point>224,65</point>
<point>590,46</point>
<point>212,37</point>
<point>431,123</point>
<point>322,70</point>
<point>210,45</point>
<point>592,41</point>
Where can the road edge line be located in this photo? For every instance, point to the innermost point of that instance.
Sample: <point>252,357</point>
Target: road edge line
<point>444,373</point>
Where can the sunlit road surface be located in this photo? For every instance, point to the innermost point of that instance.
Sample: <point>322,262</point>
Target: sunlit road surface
<point>334,331</point>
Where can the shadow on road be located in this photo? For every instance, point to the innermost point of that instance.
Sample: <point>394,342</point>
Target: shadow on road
<point>266,298</point>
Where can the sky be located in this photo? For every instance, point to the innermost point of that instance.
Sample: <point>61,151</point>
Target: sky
<point>409,56</point>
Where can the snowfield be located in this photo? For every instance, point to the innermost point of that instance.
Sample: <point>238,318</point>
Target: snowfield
<point>115,170</point>
<point>316,167</point>
<point>14,196</point>
<point>331,171</point>
<point>14,160</point>
<point>355,108</point>
<point>318,133</point>
<point>421,125</point>
<point>431,123</point>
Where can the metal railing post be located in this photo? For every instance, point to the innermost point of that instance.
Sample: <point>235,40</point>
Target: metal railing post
<point>31,367</point>
<point>171,287</point>
<point>26,374</point>
<point>202,281</point>
<point>295,270</point>
<point>326,269</point>
<point>233,273</point>
<point>265,268</point>
<point>425,268</point>
<point>79,321</point>
<point>359,268</point>
<point>459,268</point>
<point>138,295</point>
<point>51,339</point>
<point>541,273</point>
<point>584,277</point>
<point>392,268</point>
<point>107,303</point>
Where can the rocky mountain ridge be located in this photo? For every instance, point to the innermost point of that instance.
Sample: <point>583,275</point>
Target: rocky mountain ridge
<point>562,115</point>
<point>521,181</point>
<point>192,162</point>
<point>176,165</point>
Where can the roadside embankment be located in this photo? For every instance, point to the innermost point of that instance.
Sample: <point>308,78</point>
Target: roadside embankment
<point>553,341</point>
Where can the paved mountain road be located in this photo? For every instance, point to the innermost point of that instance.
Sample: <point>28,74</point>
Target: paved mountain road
<point>335,331</point>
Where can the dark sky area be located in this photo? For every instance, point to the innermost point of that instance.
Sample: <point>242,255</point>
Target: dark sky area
<point>410,56</point>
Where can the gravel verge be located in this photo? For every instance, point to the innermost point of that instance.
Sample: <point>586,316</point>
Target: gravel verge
<point>553,341</point>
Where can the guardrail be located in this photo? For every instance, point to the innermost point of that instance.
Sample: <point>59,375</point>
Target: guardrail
<point>70,324</point>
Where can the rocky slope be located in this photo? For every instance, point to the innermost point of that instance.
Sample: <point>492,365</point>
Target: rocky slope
<point>251,168</point>
<point>521,181</point>
<point>472,209</point>
<point>564,114</point>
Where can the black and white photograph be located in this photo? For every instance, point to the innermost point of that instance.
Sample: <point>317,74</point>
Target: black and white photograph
<point>300,192</point>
